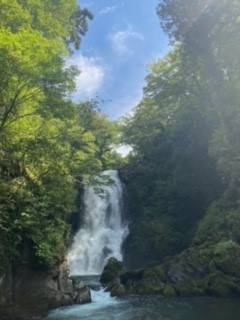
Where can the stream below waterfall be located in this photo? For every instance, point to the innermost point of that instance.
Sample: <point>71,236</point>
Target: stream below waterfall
<point>104,307</point>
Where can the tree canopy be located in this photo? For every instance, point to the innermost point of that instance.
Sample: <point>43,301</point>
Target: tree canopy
<point>184,170</point>
<point>49,146</point>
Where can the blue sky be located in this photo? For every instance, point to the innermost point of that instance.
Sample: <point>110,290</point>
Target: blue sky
<point>123,39</point>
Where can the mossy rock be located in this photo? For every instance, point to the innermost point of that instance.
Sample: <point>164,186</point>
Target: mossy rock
<point>156,273</point>
<point>222,285</point>
<point>144,288</point>
<point>118,290</point>
<point>212,266</point>
<point>192,288</point>
<point>112,271</point>
<point>132,276</point>
<point>142,282</point>
<point>227,257</point>
<point>169,291</point>
<point>151,287</point>
<point>200,270</point>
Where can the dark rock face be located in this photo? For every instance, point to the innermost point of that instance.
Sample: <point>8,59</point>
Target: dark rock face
<point>110,277</point>
<point>111,272</point>
<point>145,281</point>
<point>5,288</point>
<point>206,270</point>
<point>81,293</point>
<point>31,293</point>
<point>211,269</point>
<point>116,288</point>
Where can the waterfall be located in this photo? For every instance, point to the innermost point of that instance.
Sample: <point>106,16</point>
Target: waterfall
<point>102,232</point>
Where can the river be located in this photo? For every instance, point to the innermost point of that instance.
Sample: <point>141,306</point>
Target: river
<point>104,307</point>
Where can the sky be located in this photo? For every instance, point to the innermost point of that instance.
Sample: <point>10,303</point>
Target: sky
<point>124,38</point>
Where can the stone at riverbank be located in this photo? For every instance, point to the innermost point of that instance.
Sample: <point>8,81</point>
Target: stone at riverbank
<point>30,294</point>
<point>110,277</point>
<point>112,271</point>
<point>212,269</point>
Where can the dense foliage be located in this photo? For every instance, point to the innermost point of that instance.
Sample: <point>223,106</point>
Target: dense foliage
<point>48,145</point>
<point>183,176</point>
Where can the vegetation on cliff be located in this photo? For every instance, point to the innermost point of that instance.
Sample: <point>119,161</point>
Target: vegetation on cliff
<point>48,144</point>
<point>183,175</point>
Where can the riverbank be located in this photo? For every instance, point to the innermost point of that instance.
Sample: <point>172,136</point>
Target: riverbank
<point>29,294</point>
<point>207,270</point>
<point>152,308</point>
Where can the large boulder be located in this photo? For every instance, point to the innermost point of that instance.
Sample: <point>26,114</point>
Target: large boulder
<point>144,281</point>
<point>209,269</point>
<point>32,293</point>
<point>111,272</point>
<point>82,293</point>
<point>116,288</point>
<point>110,277</point>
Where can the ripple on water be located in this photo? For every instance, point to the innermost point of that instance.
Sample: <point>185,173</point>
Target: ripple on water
<point>105,307</point>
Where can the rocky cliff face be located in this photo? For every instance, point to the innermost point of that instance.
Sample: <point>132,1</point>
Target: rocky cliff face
<point>210,269</point>
<point>30,294</point>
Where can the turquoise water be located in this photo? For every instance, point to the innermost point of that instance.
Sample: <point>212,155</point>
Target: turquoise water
<point>150,308</point>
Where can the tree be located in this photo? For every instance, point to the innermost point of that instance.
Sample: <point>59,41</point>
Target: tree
<point>170,132</point>
<point>47,148</point>
<point>209,32</point>
<point>185,132</point>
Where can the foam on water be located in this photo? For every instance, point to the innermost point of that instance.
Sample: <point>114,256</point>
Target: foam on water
<point>100,301</point>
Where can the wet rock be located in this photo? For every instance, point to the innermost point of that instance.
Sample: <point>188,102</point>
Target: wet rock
<point>78,284</point>
<point>227,258</point>
<point>83,296</point>
<point>146,281</point>
<point>110,278</point>
<point>169,291</point>
<point>198,271</point>
<point>116,289</point>
<point>33,292</point>
<point>111,272</point>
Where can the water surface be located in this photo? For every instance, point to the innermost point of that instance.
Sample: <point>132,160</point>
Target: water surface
<point>150,308</point>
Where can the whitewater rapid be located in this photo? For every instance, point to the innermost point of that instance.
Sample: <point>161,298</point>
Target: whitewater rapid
<point>103,231</point>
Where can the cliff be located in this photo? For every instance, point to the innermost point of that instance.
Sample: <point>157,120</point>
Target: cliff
<point>29,294</point>
<point>206,270</point>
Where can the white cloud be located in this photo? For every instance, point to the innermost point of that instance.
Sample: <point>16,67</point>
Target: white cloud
<point>107,10</point>
<point>121,40</point>
<point>111,9</point>
<point>91,76</point>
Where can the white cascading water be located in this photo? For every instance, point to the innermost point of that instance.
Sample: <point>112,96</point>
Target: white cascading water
<point>102,232</point>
